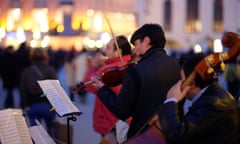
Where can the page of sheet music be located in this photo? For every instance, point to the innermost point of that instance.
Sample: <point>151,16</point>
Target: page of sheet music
<point>58,97</point>
<point>13,127</point>
<point>40,135</point>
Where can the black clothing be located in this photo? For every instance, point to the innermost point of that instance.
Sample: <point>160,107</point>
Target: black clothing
<point>22,59</point>
<point>35,105</point>
<point>8,71</point>
<point>212,119</point>
<point>144,88</point>
<point>29,88</point>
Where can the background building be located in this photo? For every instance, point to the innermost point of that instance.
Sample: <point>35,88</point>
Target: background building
<point>64,23</point>
<point>190,22</point>
<point>88,23</point>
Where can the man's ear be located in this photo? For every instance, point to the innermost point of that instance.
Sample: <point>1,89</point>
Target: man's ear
<point>147,40</point>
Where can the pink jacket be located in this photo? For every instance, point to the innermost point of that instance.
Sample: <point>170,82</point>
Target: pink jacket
<point>103,119</point>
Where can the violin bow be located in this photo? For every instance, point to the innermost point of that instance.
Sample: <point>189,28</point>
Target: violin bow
<point>114,38</point>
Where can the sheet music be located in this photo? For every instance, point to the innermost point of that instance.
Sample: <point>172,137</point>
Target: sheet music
<point>40,135</point>
<point>58,97</point>
<point>13,127</point>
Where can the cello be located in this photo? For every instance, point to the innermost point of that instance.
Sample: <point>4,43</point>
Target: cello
<point>205,69</point>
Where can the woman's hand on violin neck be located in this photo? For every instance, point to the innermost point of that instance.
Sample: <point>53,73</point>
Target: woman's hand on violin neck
<point>96,82</point>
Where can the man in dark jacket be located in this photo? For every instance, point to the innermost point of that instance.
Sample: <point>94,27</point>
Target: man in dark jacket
<point>213,117</point>
<point>146,83</point>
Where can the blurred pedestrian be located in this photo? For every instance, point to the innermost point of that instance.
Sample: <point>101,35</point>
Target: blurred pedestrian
<point>97,59</point>
<point>22,59</point>
<point>9,75</point>
<point>69,70</point>
<point>33,101</point>
<point>231,76</point>
<point>80,66</point>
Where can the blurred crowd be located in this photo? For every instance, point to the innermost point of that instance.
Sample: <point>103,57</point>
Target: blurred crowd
<point>14,60</point>
<point>76,66</point>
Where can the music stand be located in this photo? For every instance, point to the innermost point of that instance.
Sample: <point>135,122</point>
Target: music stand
<point>70,117</point>
<point>60,101</point>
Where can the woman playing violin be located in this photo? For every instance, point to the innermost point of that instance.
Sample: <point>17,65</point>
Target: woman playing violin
<point>103,119</point>
<point>146,83</point>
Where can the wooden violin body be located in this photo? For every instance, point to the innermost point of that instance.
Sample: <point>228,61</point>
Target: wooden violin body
<point>111,76</point>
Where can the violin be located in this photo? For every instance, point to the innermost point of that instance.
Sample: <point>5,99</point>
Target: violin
<point>111,76</point>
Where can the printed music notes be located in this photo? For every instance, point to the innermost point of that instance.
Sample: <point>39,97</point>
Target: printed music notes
<point>58,98</point>
<point>40,135</point>
<point>13,127</point>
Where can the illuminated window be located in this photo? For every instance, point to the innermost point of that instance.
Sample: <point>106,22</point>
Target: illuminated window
<point>13,19</point>
<point>218,16</point>
<point>40,19</point>
<point>192,20</point>
<point>167,15</point>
